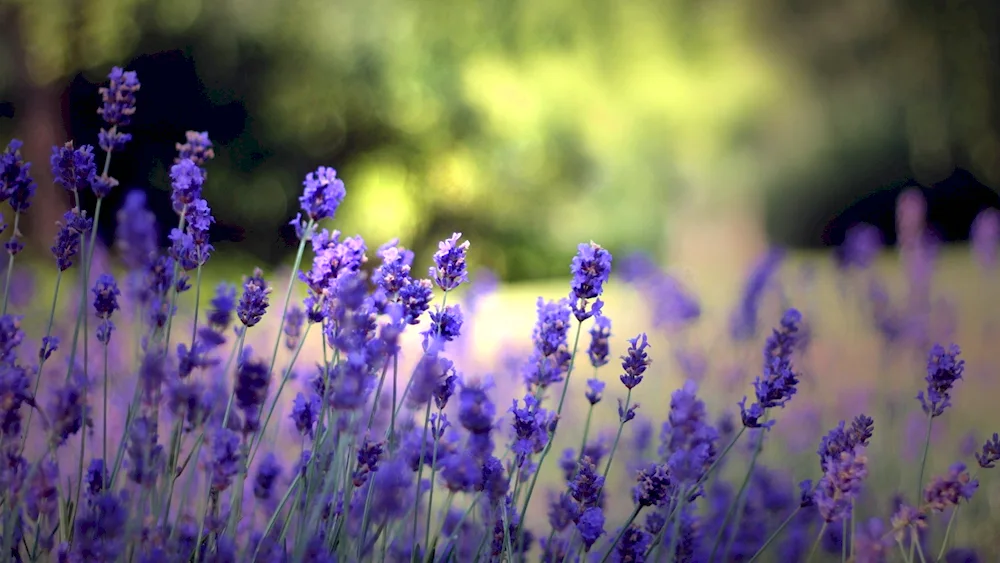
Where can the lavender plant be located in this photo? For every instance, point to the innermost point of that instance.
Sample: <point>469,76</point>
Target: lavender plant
<point>357,480</point>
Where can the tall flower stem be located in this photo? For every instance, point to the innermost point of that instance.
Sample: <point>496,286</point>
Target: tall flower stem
<point>306,235</point>
<point>430,494</point>
<point>392,414</point>
<point>914,540</point>
<point>10,263</point>
<point>736,508</point>
<point>81,315</point>
<point>947,534</point>
<point>548,446</point>
<point>286,376</point>
<point>104,450</point>
<point>420,472</point>
<point>41,360</point>
<point>815,546</point>
<point>621,533</point>
<point>923,459</point>
<point>618,436</point>
<point>775,535</point>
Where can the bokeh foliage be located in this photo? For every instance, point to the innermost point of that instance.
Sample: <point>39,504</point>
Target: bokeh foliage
<point>532,125</point>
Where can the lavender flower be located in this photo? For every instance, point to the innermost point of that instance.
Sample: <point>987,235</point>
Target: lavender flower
<point>415,296</point>
<point>688,440</point>
<point>449,270</point>
<point>743,322</point>
<point>197,148</point>
<point>632,546</point>
<point>73,169</point>
<point>591,268</point>
<point>14,386</point>
<point>587,485</point>
<point>394,272</point>
<point>144,455</point>
<point>322,194</point>
<point>100,530</point>
<point>985,237</point>
<point>186,181</point>
<point>305,413</point>
<point>268,473</point>
<point>252,381</point>
<point>862,244</point>
<point>990,454</point>
<point>446,324</point>
<point>844,467</point>
<point>106,294</point>
<point>254,301</point>
<point>223,305</point>
<point>550,357</point>
<point>599,335</point>
<point>69,412</point>
<point>118,107</point>
<point>590,526</point>
<point>136,236</point>
<point>75,224</point>
<point>16,185</point>
<point>943,370</point>
<point>224,459</point>
<point>654,485</point>
<point>947,490</point>
<point>294,319</point>
<point>778,383</point>
<point>103,185</point>
<point>530,426</point>
<point>635,361</point>
<point>595,390</point>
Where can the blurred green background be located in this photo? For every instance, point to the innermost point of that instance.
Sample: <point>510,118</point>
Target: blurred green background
<point>529,126</point>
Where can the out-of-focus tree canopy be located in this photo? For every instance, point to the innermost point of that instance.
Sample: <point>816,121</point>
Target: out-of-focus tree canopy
<point>533,125</point>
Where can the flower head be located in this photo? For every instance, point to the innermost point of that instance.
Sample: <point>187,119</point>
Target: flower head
<point>990,454</point>
<point>75,224</point>
<point>777,384</point>
<point>254,301</point>
<point>322,194</point>
<point>224,458</point>
<point>654,485</point>
<point>136,236</point>
<point>530,428</point>
<point>186,181</point>
<point>689,441</point>
<point>635,361</point>
<point>943,370</point>
<point>69,411</point>
<point>743,322</point>
<point>947,490</point>
<point>252,381</point>
<point>394,272</point>
<point>587,485</point>
<point>16,184</point>
<point>446,324</point>
<point>450,270</point>
<point>267,474</point>
<point>862,244</point>
<point>591,268</point>
<point>550,356</point>
<point>196,147</point>
<point>632,547</point>
<point>841,483</point>
<point>73,169</point>
<point>305,413</point>
<point>294,320</point>
<point>118,99</point>
<point>595,390</point>
<point>591,526</point>
<point>599,335</point>
<point>106,294</point>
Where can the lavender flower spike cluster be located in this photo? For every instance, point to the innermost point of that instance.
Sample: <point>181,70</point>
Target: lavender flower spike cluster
<point>173,439</point>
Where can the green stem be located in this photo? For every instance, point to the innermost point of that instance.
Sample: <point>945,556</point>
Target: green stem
<point>10,263</point>
<point>914,540</point>
<point>284,380</point>
<point>775,535</point>
<point>618,437</point>
<point>815,546</point>
<point>81,315</point>
<point>225,373</point>
<point>736,508</point>
<point>621,533</point>
<point>104,450</point>
<point>586,432</point>
<point>671,549</point>
<point>923,460</point>
<point>548,446</point>
<point>430,493</point>
<point>68,533</point>
<point>947,533</point>
<point>41,361</point>
<point>420,473</point>
<point>288,292</point>
<point>392,419</point>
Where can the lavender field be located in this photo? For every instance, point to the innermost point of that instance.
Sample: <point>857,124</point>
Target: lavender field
<point>159,407</point>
